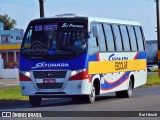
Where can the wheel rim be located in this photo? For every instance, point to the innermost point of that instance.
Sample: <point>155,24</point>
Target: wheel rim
<point>130,89</point>
<point>92,96</point>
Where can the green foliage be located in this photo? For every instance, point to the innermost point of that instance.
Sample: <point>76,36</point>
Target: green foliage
<point>153,80</point>
<point>12,94</point>
<point>8,22</point>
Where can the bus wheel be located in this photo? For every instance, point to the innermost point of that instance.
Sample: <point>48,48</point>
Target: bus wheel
<point>126,93</point>
<point>35,100</point>
<point>91,98</point>
<point>129,91</point>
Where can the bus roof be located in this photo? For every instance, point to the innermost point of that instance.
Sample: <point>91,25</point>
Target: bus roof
<point>113,21</point>
<point>91,19</point>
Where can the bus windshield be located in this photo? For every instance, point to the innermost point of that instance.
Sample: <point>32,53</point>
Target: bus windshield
<point>55,41</point>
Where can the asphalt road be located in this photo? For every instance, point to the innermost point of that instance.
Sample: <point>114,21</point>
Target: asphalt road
<point>144,99</point>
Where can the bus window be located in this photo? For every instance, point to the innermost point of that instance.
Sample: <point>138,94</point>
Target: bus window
<point>139,38</point>
<point>27,41</point>
<point>101,38</point>
<point>132,38</point>
<point>93,45</point>
<point>93,41</point>
<point>109,37</point>
<point>125,38</point>
<point>117,37</point>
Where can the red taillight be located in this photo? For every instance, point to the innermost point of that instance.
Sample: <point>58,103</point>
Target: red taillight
<point>23,77</point>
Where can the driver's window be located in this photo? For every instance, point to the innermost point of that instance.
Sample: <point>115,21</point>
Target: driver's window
<point>93,42</point>
<point>27,41</point>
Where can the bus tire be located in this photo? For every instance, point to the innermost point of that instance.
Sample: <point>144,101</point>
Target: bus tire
<point>91,98</point>
<point>35,100</point>
<point>126,93</point>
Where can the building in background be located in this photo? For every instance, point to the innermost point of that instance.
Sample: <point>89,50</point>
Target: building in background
<point>152,48</point>
<point>10,42</point>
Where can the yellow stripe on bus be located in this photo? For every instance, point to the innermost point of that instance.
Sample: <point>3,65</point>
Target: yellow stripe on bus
<point>101,67</point>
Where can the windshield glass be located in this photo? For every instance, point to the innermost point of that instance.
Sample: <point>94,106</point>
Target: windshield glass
<point>55,40</point>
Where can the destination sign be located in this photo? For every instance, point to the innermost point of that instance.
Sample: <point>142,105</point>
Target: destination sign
<point>46,27</point>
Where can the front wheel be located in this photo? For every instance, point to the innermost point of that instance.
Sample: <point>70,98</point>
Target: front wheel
<point>35,100</point>
<point>91,98</point>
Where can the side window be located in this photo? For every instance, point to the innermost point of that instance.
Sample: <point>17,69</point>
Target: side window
<point>132,38</point>
<point>101,38</point>
<point>93,42</point>
<point>117,37</point>
<point>139,38</point>
<point>109,37</point>
<point>125,38</point>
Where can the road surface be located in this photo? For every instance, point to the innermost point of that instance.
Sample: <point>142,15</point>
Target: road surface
<point>144,99</point>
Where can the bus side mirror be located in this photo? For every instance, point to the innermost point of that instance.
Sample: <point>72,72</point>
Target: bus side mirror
<point>95,31</point>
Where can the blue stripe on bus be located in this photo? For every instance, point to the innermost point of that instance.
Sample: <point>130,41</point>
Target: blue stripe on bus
<point>74,64</point>
<point>109,86</point>
<point>141,55</point>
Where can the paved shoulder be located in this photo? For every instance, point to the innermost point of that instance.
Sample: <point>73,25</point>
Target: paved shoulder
<point>7,83</point>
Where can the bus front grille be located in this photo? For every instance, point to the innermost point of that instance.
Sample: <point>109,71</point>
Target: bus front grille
<point>49,74</point>
<point>49,85</point>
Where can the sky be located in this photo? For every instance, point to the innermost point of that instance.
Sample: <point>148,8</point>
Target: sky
<point>143,11</point>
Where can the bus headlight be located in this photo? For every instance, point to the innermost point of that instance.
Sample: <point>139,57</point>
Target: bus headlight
<point>27,74</point>
<point>24,76</point>
<point>75,72</point>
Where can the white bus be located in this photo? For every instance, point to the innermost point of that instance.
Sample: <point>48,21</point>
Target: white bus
<point>81,57</point>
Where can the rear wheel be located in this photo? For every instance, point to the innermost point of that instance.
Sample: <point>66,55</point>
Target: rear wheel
<point>91,98</point>
<point>35,100</point>
<point>126,93</point>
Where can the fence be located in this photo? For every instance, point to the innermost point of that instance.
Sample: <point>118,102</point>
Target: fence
<point>9,73</point>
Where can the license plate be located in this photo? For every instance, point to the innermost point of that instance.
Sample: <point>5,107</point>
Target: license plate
<point>49,80</point>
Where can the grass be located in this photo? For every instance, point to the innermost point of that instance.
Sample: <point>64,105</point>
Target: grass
<point>12,94</point>
<point>154,69</point>
<point>15,93</point>
<point>153,80</point>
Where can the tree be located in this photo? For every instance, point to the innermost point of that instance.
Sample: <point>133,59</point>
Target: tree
<point>8,22</point>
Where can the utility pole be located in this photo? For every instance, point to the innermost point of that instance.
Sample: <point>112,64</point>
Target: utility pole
<point>158,33</point>
<point>41,6</point>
